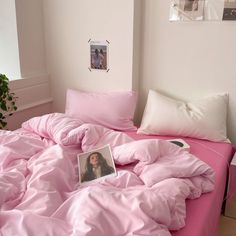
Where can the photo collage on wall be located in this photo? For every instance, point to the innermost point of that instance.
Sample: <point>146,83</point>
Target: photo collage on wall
<point>229,10</point>
<point>199,10</point>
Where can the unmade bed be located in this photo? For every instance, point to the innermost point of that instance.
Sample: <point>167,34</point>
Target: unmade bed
<point>39,182</point>
<point>203,214</point>
<point>158,188</point>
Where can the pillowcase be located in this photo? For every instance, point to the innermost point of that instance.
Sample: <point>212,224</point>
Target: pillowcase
<point>203,119</point>
<point>114,110</point>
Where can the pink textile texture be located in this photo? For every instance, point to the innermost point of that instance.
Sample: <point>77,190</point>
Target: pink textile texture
<point>114,110</point>
<point>203,214</point>
<point>232,180</point>
<point>39,182</point>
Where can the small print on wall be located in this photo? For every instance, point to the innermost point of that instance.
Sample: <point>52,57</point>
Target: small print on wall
<point>99,55</point>
<point>229,10</point>
<point>187,10</point>
<point>191,5</point>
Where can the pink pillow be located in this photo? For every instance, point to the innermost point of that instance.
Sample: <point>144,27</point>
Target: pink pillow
<point>113,110</point>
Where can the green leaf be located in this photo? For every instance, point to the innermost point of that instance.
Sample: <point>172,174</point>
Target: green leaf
<point>3,123</point>
<point>3,106</point>
<point>7,101</point>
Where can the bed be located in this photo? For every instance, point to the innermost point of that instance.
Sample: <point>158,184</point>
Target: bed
<point>159,189</point>
<point>208,207</point>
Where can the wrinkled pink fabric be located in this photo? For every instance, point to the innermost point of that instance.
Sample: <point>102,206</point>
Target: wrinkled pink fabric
<point>40,194</point>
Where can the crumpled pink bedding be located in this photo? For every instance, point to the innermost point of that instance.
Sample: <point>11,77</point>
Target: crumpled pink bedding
<point>40,192</point>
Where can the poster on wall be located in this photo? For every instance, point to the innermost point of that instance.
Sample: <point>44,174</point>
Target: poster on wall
<point>229,10</point>
<point>182,10</point>
<point>98,55</point>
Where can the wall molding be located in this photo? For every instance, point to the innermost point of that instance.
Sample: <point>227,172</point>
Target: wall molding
<point>33,104</point>
<point>32,91</point>
<point>34,99</point>
<point>28,82</point>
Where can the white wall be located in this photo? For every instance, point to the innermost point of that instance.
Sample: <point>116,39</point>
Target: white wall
<point>33,86</point>
<point>68,27</point>
<point>31,38</point>
<point>9,51</point>
<point>187,60</point>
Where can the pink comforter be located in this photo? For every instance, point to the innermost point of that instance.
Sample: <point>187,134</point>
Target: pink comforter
<point>40,194</point>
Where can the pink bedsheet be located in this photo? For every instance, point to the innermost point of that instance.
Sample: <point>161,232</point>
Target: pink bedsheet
<point>203,214</point>
<point>41,195</point>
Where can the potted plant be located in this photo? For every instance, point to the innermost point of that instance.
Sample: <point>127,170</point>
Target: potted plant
<point>7,101</point>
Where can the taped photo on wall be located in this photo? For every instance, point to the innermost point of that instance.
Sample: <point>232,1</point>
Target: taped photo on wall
<point>99,55</point>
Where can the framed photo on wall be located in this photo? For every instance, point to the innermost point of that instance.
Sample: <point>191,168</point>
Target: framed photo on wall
<point>188,10</point>
<point>98,55</point>
<point>229,10</point>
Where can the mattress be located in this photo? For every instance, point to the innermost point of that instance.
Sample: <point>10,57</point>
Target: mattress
<point>203,214</point>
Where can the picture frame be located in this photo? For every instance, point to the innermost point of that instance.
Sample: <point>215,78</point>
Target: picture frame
<point>95,164</point>
<point>229,12</point>
<point>99,52</point>
<point>187,10</point>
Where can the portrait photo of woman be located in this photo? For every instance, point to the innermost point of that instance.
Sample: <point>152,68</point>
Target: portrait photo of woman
<point>96,164</point>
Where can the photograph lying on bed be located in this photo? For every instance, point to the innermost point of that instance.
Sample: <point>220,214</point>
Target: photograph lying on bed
<point>96,164</point>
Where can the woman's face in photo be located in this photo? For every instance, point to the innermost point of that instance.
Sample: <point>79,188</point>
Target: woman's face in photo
<point>94,159</point>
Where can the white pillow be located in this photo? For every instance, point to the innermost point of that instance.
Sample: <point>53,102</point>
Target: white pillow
<point>203,119</point>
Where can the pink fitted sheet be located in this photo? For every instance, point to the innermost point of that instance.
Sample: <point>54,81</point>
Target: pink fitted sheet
<point>203,214</point>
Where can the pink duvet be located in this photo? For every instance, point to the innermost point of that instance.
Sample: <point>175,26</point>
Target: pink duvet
<point>40,194</point>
